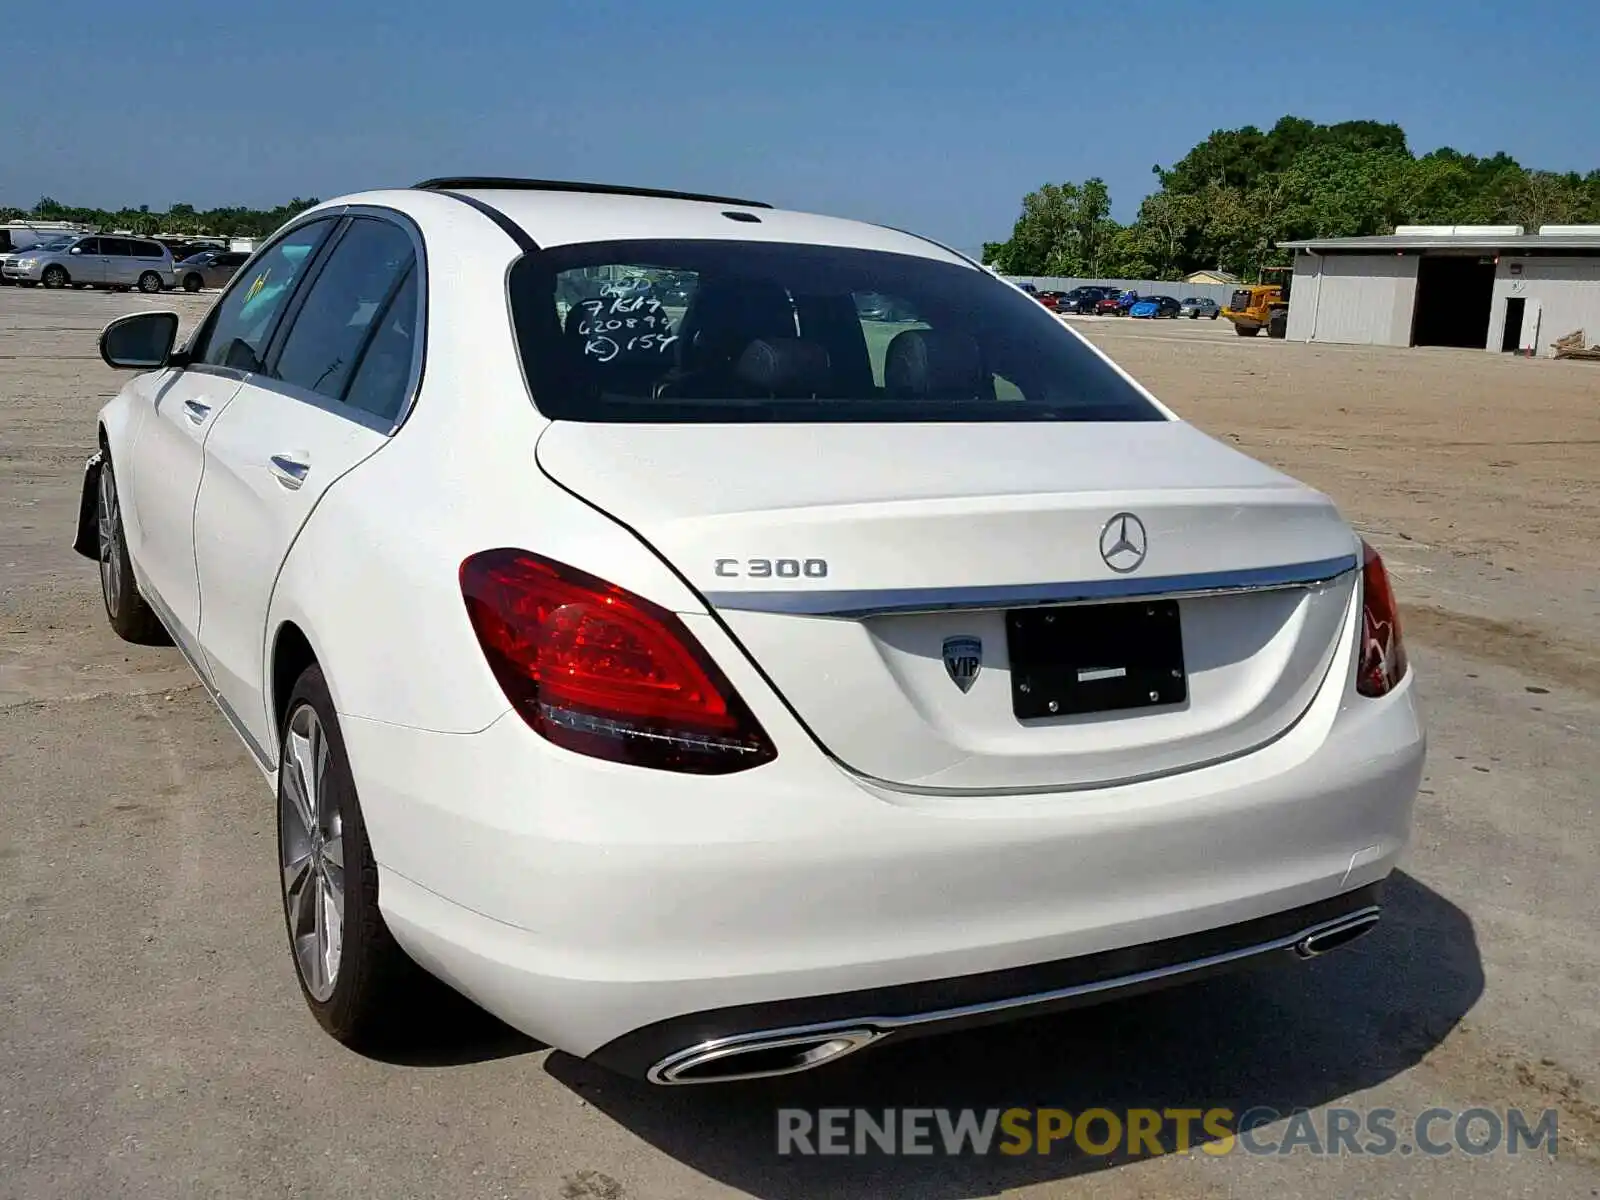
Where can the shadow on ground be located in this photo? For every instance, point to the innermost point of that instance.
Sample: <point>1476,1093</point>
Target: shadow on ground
<point>442,1028</point>
<point>1279,1037</point>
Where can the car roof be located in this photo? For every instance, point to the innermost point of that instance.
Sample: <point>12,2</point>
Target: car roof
<point>557,218</point>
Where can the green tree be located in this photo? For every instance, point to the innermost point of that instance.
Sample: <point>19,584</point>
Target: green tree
<point>1332,191</point>
<point>1543,198</point>
<point>1165,236</point>
<point>1063,229</point>
<point>1233,197</point>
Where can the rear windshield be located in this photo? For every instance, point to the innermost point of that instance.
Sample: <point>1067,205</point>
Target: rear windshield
<point>721,331</point>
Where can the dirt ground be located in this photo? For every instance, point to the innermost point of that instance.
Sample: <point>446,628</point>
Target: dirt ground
<point>153,1042</point>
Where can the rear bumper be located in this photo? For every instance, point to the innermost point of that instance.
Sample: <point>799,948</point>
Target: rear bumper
<point>582,901</point>
<point>721,1045</point>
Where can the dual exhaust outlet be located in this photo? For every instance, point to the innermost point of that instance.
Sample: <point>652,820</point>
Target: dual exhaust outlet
<point>788,1051</point>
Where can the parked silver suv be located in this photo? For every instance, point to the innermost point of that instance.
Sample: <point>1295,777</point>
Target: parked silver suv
<point>98,260</point>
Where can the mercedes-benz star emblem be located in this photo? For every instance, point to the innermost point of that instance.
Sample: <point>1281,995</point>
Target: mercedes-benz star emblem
<point>1123,543</point>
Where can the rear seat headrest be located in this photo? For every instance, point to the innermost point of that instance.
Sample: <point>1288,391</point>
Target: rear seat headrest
<point>925,364</point>
<point>785,367</point>
<point>725,314</point>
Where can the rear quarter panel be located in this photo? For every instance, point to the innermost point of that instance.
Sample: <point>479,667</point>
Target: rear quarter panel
<point>373,578</point>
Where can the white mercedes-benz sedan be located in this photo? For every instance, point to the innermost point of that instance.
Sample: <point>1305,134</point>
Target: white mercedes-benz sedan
<point>716,639</point>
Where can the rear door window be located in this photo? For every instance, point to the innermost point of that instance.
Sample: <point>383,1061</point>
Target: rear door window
<point>364,272</point>
<point>382,381</point>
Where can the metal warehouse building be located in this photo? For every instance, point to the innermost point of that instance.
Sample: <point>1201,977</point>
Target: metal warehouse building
<point>1493,287</point>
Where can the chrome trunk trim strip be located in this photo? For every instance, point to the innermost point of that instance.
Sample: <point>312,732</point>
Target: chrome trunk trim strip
<point>883,602</point>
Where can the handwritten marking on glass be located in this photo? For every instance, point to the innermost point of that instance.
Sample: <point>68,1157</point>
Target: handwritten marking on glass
<point>638,323</point>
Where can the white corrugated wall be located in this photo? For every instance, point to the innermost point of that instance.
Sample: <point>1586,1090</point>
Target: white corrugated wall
<point>1304,296</point>
<point>1568,291</point>
<point>1359,299</point>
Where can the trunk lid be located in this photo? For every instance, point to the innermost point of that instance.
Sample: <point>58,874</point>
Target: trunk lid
<point>900,584</point>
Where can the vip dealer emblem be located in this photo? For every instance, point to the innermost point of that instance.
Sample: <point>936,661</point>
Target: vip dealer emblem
<point>963,659</point>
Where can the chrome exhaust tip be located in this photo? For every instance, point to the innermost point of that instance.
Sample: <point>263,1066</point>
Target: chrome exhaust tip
<point>1336,933</point>
<point>758,1057</point>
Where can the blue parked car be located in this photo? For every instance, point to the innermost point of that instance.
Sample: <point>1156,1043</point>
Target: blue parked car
<point>1155,306</point>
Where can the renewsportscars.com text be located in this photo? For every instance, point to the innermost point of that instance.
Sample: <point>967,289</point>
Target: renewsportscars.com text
<point>1140,1132</point>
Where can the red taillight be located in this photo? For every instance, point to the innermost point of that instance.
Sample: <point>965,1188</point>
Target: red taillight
<point>603,672</point>
<point>1383,653</point>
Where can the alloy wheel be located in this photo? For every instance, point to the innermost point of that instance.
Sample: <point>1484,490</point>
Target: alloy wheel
<point>110,541</point>
<point>311,854</point>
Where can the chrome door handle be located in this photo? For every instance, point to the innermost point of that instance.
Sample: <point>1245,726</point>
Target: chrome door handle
<point>287,471</point>
<point>195,411</point>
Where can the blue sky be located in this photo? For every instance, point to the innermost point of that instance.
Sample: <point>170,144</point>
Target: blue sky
<point>923,113</point>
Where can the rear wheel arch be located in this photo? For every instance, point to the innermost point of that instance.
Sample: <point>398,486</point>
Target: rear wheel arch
<point>292,653</point>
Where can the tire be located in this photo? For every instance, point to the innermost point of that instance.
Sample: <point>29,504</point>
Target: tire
<point>326,869</point>
<point>131,616</point>
<point>149,282</point>
<point>191,283</point>
<point>55,276</point>
<point>1243,332</point>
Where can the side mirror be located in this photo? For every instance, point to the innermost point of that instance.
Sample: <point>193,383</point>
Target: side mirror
<point>77,250</point>
<point>139,342</point>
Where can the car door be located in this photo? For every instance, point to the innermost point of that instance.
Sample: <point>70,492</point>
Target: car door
<point>150,256</point>
<point>327,398</point>
<point>222,266</point>
<point>160,477</point>
<point>116,257</point>
<point>204,266</point>
<point>86,262</point>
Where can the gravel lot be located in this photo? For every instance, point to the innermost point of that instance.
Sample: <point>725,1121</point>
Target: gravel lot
<point>153,1042</point>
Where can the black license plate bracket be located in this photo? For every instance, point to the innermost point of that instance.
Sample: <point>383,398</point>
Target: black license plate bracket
<point>1095,658</point>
